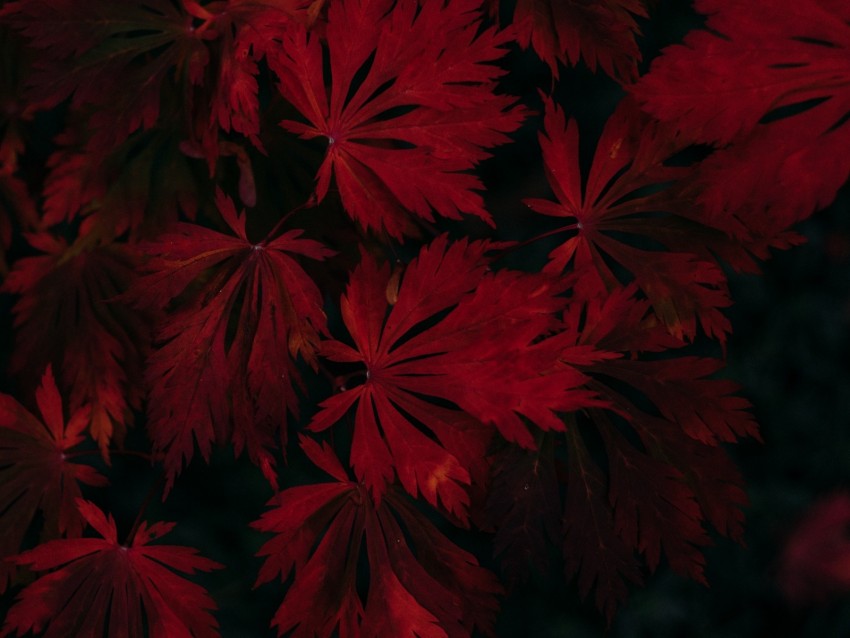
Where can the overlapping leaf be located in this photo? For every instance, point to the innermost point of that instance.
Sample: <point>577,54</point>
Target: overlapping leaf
<point>138,190</point>
<point>421,585</point>
<point>623,211</point>
<point>782,118</point>
<point>654,475</point>
<point>601,33</point>
<point>666,475</point>
<point>100,587</point>
<point>92,51</point>
<point>524,509</point>
<point>401,140</point>
<point>481,357</point>
<point>172,56</point>
<point>69,315</point>
<point>35,475</point>
<point>237,315</point>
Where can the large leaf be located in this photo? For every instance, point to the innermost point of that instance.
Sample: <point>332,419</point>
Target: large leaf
<point>481,357</point>
<point>101,587</point>
<point>420,585</point>
<point>401,139</point>
<point>238,315</point>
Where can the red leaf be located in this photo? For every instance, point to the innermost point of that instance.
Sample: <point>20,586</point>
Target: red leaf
<point>102,588</point>
<point>705,409</point>
<point>666,473</point>
<point>524,509</point>
<point>602,33</point>
<point>481,357</point>
<point>93,52</point>
<point>207,385</point>
<point>708,471</point>
<point>778,170</point>
<point>431,588</point>
<point>594,551</point>
<point>16,203</point>
<point>683,282</point>
<point>140,186</point>
<point>400,142</point>
<point>654,510</point>
<point>34,472</point>
<point>69,315</point>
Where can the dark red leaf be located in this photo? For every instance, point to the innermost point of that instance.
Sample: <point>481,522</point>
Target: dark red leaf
<point>783,115</point>
<point>69,315</point>
<point>238,314</point>
<point>815,562</point>
<point>35,475</point>
<point>601,33</point>
<point>624,208</point>
<point>99,587</point>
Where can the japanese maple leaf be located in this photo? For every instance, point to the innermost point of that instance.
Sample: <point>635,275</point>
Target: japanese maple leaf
<point>594,552</point>
<point>402,139</point>
<point>16,204</point>
<point>92,53</point>
<point>18,111</point>
<point>666,475</point>
<point>524,509</point>
<point>781,122</point>
<point>139,189</point>
<point>101,587</point>
<point>481,357</point>
<point>654,480</point>
<point>68,315</point>
<point>602,33</point>
<point>238,314</point>
<point>35,474</point>
<point>620,212</point>
<point>420,584</point>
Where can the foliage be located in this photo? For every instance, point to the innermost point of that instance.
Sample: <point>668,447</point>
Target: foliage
<point>261,218</point>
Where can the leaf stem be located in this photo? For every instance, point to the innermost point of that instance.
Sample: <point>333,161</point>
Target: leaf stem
<point>271,235</point>
<point>154,489</point>
<point>508,250</point>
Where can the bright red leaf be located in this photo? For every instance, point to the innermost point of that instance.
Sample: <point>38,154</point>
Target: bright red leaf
<point>402,138</point>
<point>481,357</point>
<point>35,475</point>
<point>421,585</point>
<point>100,587</point>
<point>238,314</point>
